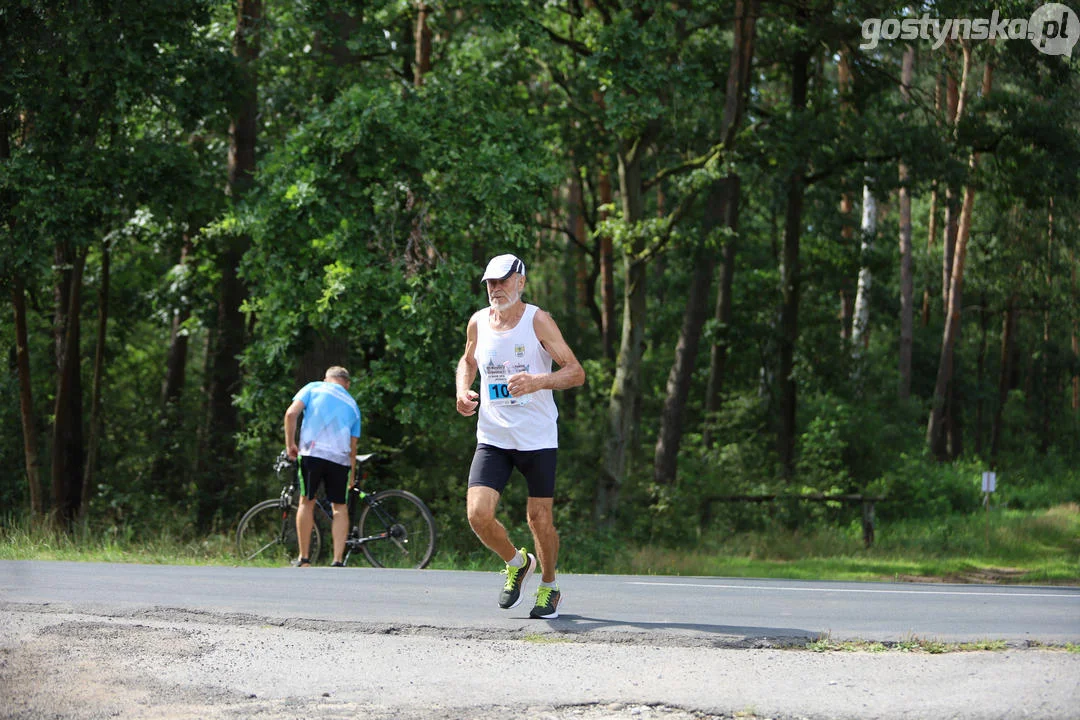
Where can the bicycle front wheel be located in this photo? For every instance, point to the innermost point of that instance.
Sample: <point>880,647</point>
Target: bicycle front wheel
<point>397,530</point>
<point>267,533</point>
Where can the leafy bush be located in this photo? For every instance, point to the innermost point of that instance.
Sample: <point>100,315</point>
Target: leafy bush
<point>1036,480</point>
<point>821,451</point>
<point>919,487</point>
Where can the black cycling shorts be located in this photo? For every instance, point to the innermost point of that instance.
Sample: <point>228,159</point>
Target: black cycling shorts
<point>331,475</point>
<point>491,467</point>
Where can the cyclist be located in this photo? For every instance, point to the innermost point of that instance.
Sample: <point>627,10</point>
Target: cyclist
<point>512,344</point>
<point>327,453</point>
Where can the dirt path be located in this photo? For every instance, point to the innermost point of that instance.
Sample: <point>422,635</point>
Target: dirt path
<point>56,662</point>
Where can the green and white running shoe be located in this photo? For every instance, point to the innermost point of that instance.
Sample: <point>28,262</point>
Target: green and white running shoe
<point>516,577</point>
<point>547,603</point>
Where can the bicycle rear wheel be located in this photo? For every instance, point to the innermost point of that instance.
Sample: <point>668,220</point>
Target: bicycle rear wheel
<point>267,533</point>
<point>399,530</point>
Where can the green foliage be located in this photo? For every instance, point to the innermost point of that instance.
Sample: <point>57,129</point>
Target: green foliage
<point>920,487</point>
<point>1032,480</point>
<point>821,450</point>
<point>363,229</point>
<point>376,201</point>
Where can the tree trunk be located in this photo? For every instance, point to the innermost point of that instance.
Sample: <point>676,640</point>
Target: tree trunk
<point>954,107</point>
<point>936,431</point>
<point>218,461</point>
<point>1008,333</point>
<point>31,457</point>
<point>626,387</point>
<point>931,238</point>
<point>669,437</point>
<point>422,66</point>
<point>167,467</point>
<point>980,376</point>
<point>244,123</point>
<point>1075,338</point>
<point>579,293</point>
<point>219,469</point>
<point>94,441</point>
<point>607,273</point>
<point>1045,427</point>
<point>954,416</point>
<point>948,243</point>
<point>722,313</point>
<point>721,208</point>
<point>847,297</point>
<point>606,253</point>
<point>907,283</point>
<point>790,281</point>
<point>588,267</point>
<point>26,399</point>
<point>176,355</point>
<point>847,230</point>
<point>659,263</point>
<point>719,211</point>
<point>932,221</point>
<point>419,252</point>
<point>861,316</point>
<point>67,447</point>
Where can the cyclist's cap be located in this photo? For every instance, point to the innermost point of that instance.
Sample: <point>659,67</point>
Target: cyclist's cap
<point>501,267</point>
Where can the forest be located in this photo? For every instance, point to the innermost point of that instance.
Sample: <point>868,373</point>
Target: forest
<point>801,247</point>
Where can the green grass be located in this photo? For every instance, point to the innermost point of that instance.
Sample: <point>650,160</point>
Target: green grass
<point>21,542</point>
<point>1025,547</point>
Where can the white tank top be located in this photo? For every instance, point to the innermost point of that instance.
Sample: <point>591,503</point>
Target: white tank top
<point>521,423</point>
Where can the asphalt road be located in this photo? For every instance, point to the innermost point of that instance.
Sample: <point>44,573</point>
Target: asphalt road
<point>91,640</point>
<point>720,612</point>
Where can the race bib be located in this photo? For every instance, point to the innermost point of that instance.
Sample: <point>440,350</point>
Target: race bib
<point>498,391</point>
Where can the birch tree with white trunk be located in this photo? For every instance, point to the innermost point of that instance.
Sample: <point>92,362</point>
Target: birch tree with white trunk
<point>861,315</point>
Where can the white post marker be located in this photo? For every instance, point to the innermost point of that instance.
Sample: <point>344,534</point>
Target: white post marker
<point>989,485</point>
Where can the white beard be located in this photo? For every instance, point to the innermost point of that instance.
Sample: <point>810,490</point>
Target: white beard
<point>507,304</point>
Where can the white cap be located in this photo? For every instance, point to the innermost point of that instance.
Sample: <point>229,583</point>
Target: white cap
<point>501,267</point>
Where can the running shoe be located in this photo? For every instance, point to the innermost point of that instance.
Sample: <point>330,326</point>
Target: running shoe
<point>516,577</point>
<point>547,603</point>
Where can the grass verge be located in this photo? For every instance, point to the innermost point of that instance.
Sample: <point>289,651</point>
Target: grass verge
<point>1020,547</point>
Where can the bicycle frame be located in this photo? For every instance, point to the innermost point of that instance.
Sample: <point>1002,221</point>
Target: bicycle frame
<point>355,498</point>
<point>377,521</point>
<point>386,519</point>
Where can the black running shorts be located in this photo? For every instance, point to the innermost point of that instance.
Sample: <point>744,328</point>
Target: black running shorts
<point>317,471</point>
<point>491,467</point>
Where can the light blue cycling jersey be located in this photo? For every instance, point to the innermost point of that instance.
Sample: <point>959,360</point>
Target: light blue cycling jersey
<point>331,420</point>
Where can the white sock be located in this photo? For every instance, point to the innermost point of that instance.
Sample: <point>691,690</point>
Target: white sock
<point>554,585</point>
<point>517,560</point>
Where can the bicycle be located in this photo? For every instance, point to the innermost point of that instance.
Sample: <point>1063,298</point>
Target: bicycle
<point>393,528</point>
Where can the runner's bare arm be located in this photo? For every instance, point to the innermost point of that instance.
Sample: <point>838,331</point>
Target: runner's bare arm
<point>467,399</point>
<point>570,373</point>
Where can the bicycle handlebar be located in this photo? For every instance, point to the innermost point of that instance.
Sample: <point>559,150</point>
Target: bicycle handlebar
<point>282,461</point>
